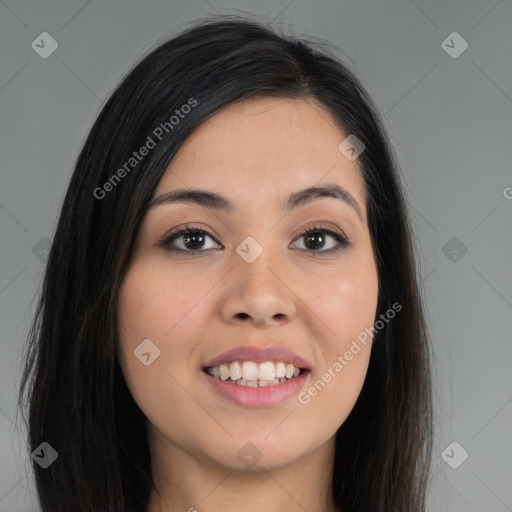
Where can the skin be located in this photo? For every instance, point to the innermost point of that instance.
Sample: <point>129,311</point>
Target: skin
<point>255,153</point>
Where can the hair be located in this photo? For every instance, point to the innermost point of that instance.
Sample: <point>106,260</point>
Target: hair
<point>72,385</point>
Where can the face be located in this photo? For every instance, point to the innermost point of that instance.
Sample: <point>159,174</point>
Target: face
<point>250,284</point>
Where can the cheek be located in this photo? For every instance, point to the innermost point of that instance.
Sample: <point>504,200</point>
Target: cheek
<point>156,304</point>
<point>355,299</point>
<point>346,302</point>
<point>155,301</point>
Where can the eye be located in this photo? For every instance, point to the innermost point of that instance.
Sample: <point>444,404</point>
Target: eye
<point>317,235</point>
<point>192,240</point>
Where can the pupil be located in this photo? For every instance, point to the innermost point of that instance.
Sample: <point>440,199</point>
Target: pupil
<point>193,236</point>
<point>316,235</point>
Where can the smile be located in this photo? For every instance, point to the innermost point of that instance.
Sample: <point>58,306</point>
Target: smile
<point>256,392</point>
<point>252,374</point>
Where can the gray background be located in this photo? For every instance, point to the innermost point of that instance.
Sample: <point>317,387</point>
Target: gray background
<point>449,119</point>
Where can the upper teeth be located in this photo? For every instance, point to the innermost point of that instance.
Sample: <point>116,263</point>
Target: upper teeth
<point>249,370</point>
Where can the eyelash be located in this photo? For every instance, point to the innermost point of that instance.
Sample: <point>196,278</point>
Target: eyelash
<point>166,241</point>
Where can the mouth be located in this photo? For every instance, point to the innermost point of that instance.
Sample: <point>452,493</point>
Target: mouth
<point>254,377</point>
<point>251,374</point>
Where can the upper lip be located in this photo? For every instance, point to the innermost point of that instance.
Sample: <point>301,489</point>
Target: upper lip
<point>259,355</point>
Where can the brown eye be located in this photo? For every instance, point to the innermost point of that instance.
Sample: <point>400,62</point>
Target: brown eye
<point>316,239</point>
<point>192,240</point>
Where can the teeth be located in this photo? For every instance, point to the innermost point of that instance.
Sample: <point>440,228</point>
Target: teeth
<point>260,383</point>
<point>224,372</point>
<point>267,371</point>
<point>249,370</point>
<point>251,374</point>
<point>235,371</point>
<point>280,370</point>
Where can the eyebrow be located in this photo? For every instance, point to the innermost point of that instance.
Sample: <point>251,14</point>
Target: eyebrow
<point>297,199</point>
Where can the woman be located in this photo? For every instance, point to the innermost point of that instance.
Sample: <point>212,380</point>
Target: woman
<point>230,317</point>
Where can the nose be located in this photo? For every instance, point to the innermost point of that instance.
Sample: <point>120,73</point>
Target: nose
<point>258,293</point>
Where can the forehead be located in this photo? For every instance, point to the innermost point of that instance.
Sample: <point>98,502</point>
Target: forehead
<point>261,149</point>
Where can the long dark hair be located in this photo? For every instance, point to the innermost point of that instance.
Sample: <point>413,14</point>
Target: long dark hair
<point>72,384</point>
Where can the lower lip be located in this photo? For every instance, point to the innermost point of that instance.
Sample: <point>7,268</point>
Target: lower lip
<point>265,396</point>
